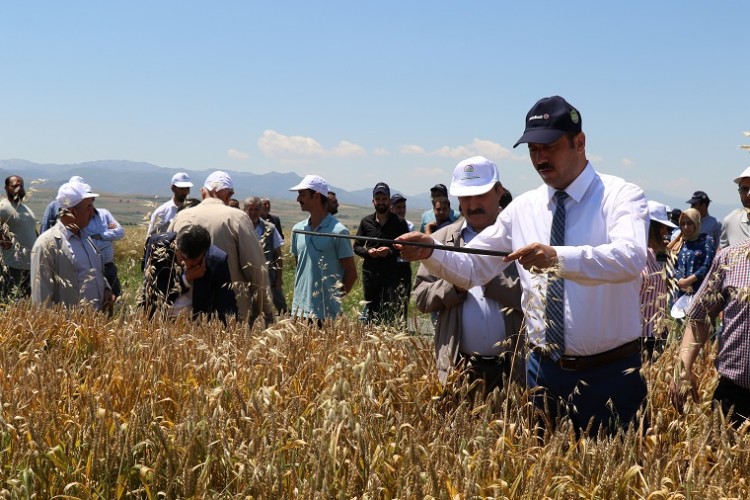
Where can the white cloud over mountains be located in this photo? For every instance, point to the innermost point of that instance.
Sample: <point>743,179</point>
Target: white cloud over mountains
<point>237,155</point>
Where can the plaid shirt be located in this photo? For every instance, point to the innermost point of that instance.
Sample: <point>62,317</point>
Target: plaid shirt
<point>727,288</point>
<point>654,297</point>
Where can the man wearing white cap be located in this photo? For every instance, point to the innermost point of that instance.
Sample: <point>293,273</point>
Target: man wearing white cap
<point>163,215</point>
<point>50,213</point>
<point>325,266</point>
<point>66,266</point>
<point>475,328</point>
<point>736,226</point>
<point>232,231</point>
<point>654,290</point>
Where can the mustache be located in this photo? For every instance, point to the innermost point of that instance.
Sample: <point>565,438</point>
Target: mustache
<point>545,165</point>
<point>476,211</point>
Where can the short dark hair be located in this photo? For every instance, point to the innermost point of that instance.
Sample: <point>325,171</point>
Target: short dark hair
<point>193,241</point>
<point>7,179</point>
<point>189,203</point>
<point>505,199</point>
<point>443,200</point>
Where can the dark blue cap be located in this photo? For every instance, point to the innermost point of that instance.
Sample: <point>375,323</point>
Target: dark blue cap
<point>549,119</point>
<point>381,187</point>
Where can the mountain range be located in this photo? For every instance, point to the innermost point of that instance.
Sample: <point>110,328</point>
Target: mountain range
<point>139,178</point>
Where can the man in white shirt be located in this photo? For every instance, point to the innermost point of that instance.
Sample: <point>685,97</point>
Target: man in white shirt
<point>736,226</point>
<point>579,242</point>
<point>476,329</point>
<point>163,215</point>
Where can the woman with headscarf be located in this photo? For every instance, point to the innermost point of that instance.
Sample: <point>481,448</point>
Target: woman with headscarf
<point>695,251</point>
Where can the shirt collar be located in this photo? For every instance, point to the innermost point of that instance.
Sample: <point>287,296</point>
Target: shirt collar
<point>578,187</point>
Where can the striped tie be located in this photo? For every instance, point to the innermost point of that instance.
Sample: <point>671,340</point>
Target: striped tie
<point>556,286</point>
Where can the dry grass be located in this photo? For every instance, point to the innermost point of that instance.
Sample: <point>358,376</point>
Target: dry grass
<point>98,408</point>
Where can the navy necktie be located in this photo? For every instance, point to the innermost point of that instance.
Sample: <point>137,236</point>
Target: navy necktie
<point>556,286</point>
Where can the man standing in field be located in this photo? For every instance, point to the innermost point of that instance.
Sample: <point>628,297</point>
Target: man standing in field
<point>380,275</point>
<point>66,266</point>
<point>232,231</point>
<point>17,236</point>
<point>265,214</point>
<point>579,242</point>
<point>163,215</point>
<point>271,242</point>
<point>325,266</point>
<point>477,329</point>
<point>736,226</point>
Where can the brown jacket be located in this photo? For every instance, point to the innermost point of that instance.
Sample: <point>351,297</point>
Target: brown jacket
<point>433,294</point>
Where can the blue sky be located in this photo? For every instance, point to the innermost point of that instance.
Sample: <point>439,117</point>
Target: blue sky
<point>381,91</point>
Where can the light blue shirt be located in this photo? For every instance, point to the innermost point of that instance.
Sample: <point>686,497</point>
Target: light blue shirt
<point>429,216</point>
<point>317,279</point>
<point>100,232</point>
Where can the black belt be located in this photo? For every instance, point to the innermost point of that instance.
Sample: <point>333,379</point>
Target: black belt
<point>578,363</point>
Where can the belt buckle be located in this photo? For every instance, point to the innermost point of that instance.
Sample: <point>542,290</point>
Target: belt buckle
<point>568,363</point>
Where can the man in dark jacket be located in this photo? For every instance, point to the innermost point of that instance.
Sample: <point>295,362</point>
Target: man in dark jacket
<point>380,277</point>
<point>185,272</point>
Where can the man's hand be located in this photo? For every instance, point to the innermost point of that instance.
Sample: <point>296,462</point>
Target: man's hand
<point>679,389</point>
<point>379,253</point>
<point>430,228</point>
<point>196,271</point>
<point>412,253</point>
<point>534,256</point>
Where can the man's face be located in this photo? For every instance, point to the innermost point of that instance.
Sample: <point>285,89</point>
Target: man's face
<point>381,201</point>
<point>83,212</point>
<point>399,208</point>
<point>481,210</point>
<point>744,190</point>
<point>265,208</point>
<point>442,212</point>
<point>180,194</point>
<point>15,190</point>
<point>701,207</point>
<point>559,163</point>
<point>306,200</point>
<point>333,204</point>
<point>253,211</point>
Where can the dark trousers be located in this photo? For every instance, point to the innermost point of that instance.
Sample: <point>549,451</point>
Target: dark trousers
<point>277,294</point>
<point>16,283</point>
<point>490,371</point>
<point>733,397</point>
<point>110,272</point>
<point>381,293</point>
<point>607,396</point>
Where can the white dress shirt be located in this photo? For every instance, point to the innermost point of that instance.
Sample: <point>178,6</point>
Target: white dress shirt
<point>162,217</point>
<point>605,234</point>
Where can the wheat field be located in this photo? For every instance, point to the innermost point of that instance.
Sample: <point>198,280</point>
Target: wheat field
<point>94,407</point>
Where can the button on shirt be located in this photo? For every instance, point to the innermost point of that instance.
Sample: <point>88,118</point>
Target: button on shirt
<point>605,252</point>
<point>482,322</point>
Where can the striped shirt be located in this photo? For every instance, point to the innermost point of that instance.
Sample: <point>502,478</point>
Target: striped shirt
<point>653,297</point>
<point>727,288</point>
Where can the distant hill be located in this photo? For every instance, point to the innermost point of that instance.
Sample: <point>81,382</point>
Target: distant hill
<point>145,179</point>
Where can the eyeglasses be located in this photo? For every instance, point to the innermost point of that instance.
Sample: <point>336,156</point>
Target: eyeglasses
<point>744,190</point>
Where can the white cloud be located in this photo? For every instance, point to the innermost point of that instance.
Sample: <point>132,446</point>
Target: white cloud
<point>346,148</point>
<point>237,155</point>
<point>627,163</point>
<point>677,183</point>
<point>594,158</point>
<point>483,147</point>
<point>296,147</point>
<point>411,149</point>
<point>381,152</point>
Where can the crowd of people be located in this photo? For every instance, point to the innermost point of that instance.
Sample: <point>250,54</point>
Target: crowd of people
<point>562,290</point>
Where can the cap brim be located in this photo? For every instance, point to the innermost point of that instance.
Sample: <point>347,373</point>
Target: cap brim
<point>664,222</point>
<point>471,190</point>
<point>183,184</point>
<point>381,191</point>
<point>540,136</point>
<point>299,187</point>
<point>90,195</point>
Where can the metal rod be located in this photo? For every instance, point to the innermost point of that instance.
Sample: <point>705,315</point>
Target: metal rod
<point>382,241</point>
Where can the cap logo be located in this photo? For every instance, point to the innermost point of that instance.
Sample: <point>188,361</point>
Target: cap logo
<point>574,116</point>
<point>545,116</point>
<point>469,172</point>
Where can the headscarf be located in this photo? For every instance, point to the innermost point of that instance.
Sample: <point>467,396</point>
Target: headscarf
<point>695,216</point>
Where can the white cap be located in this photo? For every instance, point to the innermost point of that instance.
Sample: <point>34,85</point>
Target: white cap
<point>745,173</point>
<point>474,176</point>
<point>181,180</point>
<point>218,180</point>
<point>77,178</point>
<point>657,212</point>
<point>71,194</point>
<point>314,182</point>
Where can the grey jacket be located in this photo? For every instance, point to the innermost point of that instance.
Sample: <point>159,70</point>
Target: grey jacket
<point>434,294</point>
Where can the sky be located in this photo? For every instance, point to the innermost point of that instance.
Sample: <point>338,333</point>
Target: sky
<point>393,91</point>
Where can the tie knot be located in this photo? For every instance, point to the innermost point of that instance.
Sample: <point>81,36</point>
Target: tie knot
<point>560,197</point>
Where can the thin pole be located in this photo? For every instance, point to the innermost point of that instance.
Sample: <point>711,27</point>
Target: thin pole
<point>382,241</point>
